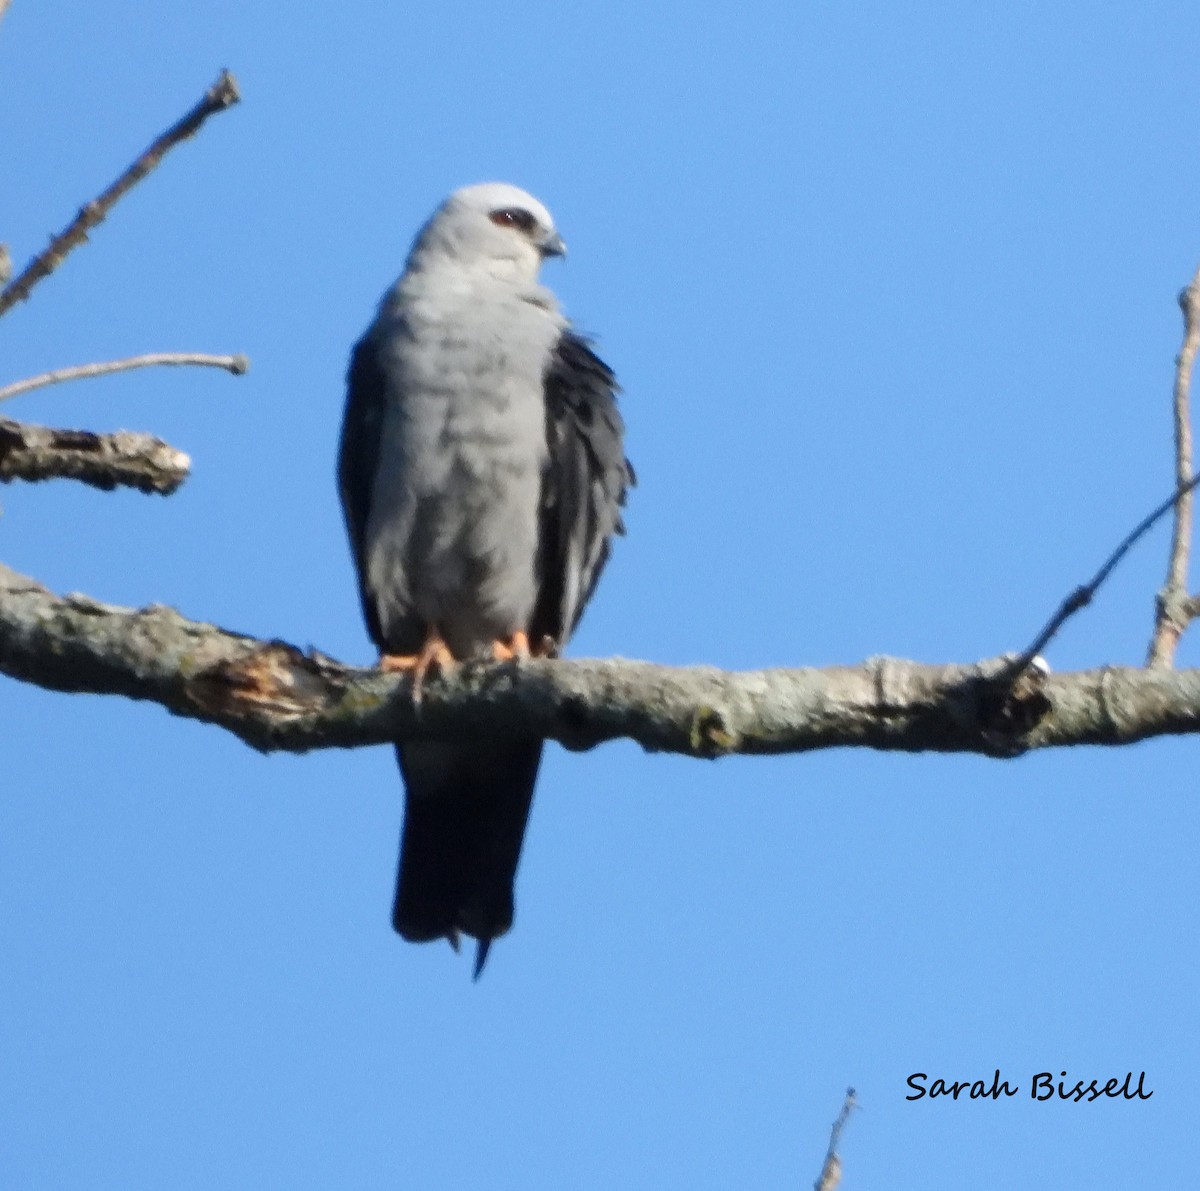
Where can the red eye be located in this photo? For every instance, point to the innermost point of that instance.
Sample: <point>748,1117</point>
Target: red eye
<point>516,217</point>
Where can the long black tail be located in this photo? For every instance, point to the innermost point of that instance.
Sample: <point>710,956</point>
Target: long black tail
<point>466,807</point>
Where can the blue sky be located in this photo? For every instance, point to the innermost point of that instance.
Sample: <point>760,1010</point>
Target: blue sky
<point>891,292</point>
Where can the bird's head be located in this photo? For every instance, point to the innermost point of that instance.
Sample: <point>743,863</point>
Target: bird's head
<point>495,227</point>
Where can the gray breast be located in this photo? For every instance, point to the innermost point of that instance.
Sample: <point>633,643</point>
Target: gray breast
<point>452,536</point>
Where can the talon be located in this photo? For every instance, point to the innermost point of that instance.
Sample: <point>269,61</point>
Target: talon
<point>435,655</point>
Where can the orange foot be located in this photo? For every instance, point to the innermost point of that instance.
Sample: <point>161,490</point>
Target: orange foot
<point>435,655</point>
<point>516,647</point>
<point>519,647</point>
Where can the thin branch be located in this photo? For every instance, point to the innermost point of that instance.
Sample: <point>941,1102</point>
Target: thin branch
<point>238,365</point>
<point>1189,304</point>
<point>1082,596</point>
<point>221,95</point>
<point>831,1171</point>
<point>5,259</point>
<point>124,459</point>
<point>1171,617</point>
<point>274,697</point>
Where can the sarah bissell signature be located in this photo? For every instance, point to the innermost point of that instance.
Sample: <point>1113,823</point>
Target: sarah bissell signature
<point>1042,1086</point>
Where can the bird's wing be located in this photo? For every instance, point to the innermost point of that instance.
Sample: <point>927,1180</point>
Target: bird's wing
<point>583,486</point>
<point>358,459</point>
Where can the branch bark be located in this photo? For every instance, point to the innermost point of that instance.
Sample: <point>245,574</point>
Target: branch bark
<point>274,697</point>
<point>238,365</point>
<point>124,459</point>
<point>831,1170</point>
<point>1173,609</point>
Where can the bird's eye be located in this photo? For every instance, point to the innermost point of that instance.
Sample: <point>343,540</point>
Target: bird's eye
<point>516,217</point>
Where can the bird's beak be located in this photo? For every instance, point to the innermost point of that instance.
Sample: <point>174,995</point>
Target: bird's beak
<point>552,245</point>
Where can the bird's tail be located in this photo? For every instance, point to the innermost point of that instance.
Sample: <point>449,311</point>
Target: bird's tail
<point>466,807</point>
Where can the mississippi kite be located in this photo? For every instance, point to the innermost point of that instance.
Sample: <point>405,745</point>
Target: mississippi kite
<point>482,473</point>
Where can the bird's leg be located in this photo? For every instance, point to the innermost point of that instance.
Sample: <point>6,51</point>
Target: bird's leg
<point>515,647</point>
<point>435,655</point>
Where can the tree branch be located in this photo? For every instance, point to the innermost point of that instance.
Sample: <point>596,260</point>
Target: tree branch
<point>1172,607</point>
<point>831,1171</point>
<point>124,459</point>
<point>1082,596</point>
<point>238,365</point>
<point>273,696</point>
<point>221,95</point>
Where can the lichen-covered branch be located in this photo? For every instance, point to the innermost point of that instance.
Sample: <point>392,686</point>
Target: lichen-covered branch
<point>221,95</point>
<point>124,459</point>
<point>238,365</point>
<point>273,696</point>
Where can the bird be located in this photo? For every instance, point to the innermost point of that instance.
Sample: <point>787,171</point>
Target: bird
<point>482,475</point>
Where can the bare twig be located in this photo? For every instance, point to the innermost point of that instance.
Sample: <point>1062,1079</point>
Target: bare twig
<point>106,461</point>
<point>831,1171</point>
<point>5,259</point>
<point>274,697</point>
<point>1172,605</point>
<point>1082,596</point>
<point>236,364</point>
<point>222,94</point>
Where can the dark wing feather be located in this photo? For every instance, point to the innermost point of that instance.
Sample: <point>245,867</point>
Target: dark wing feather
<point>358,458</point>
<point>583,487</point>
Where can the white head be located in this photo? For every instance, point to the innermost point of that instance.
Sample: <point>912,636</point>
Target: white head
<point>492,226</point>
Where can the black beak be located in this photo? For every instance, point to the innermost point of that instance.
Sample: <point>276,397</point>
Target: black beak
<point>552,245</point>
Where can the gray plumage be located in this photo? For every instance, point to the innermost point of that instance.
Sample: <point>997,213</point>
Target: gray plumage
<point>482,473</point>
